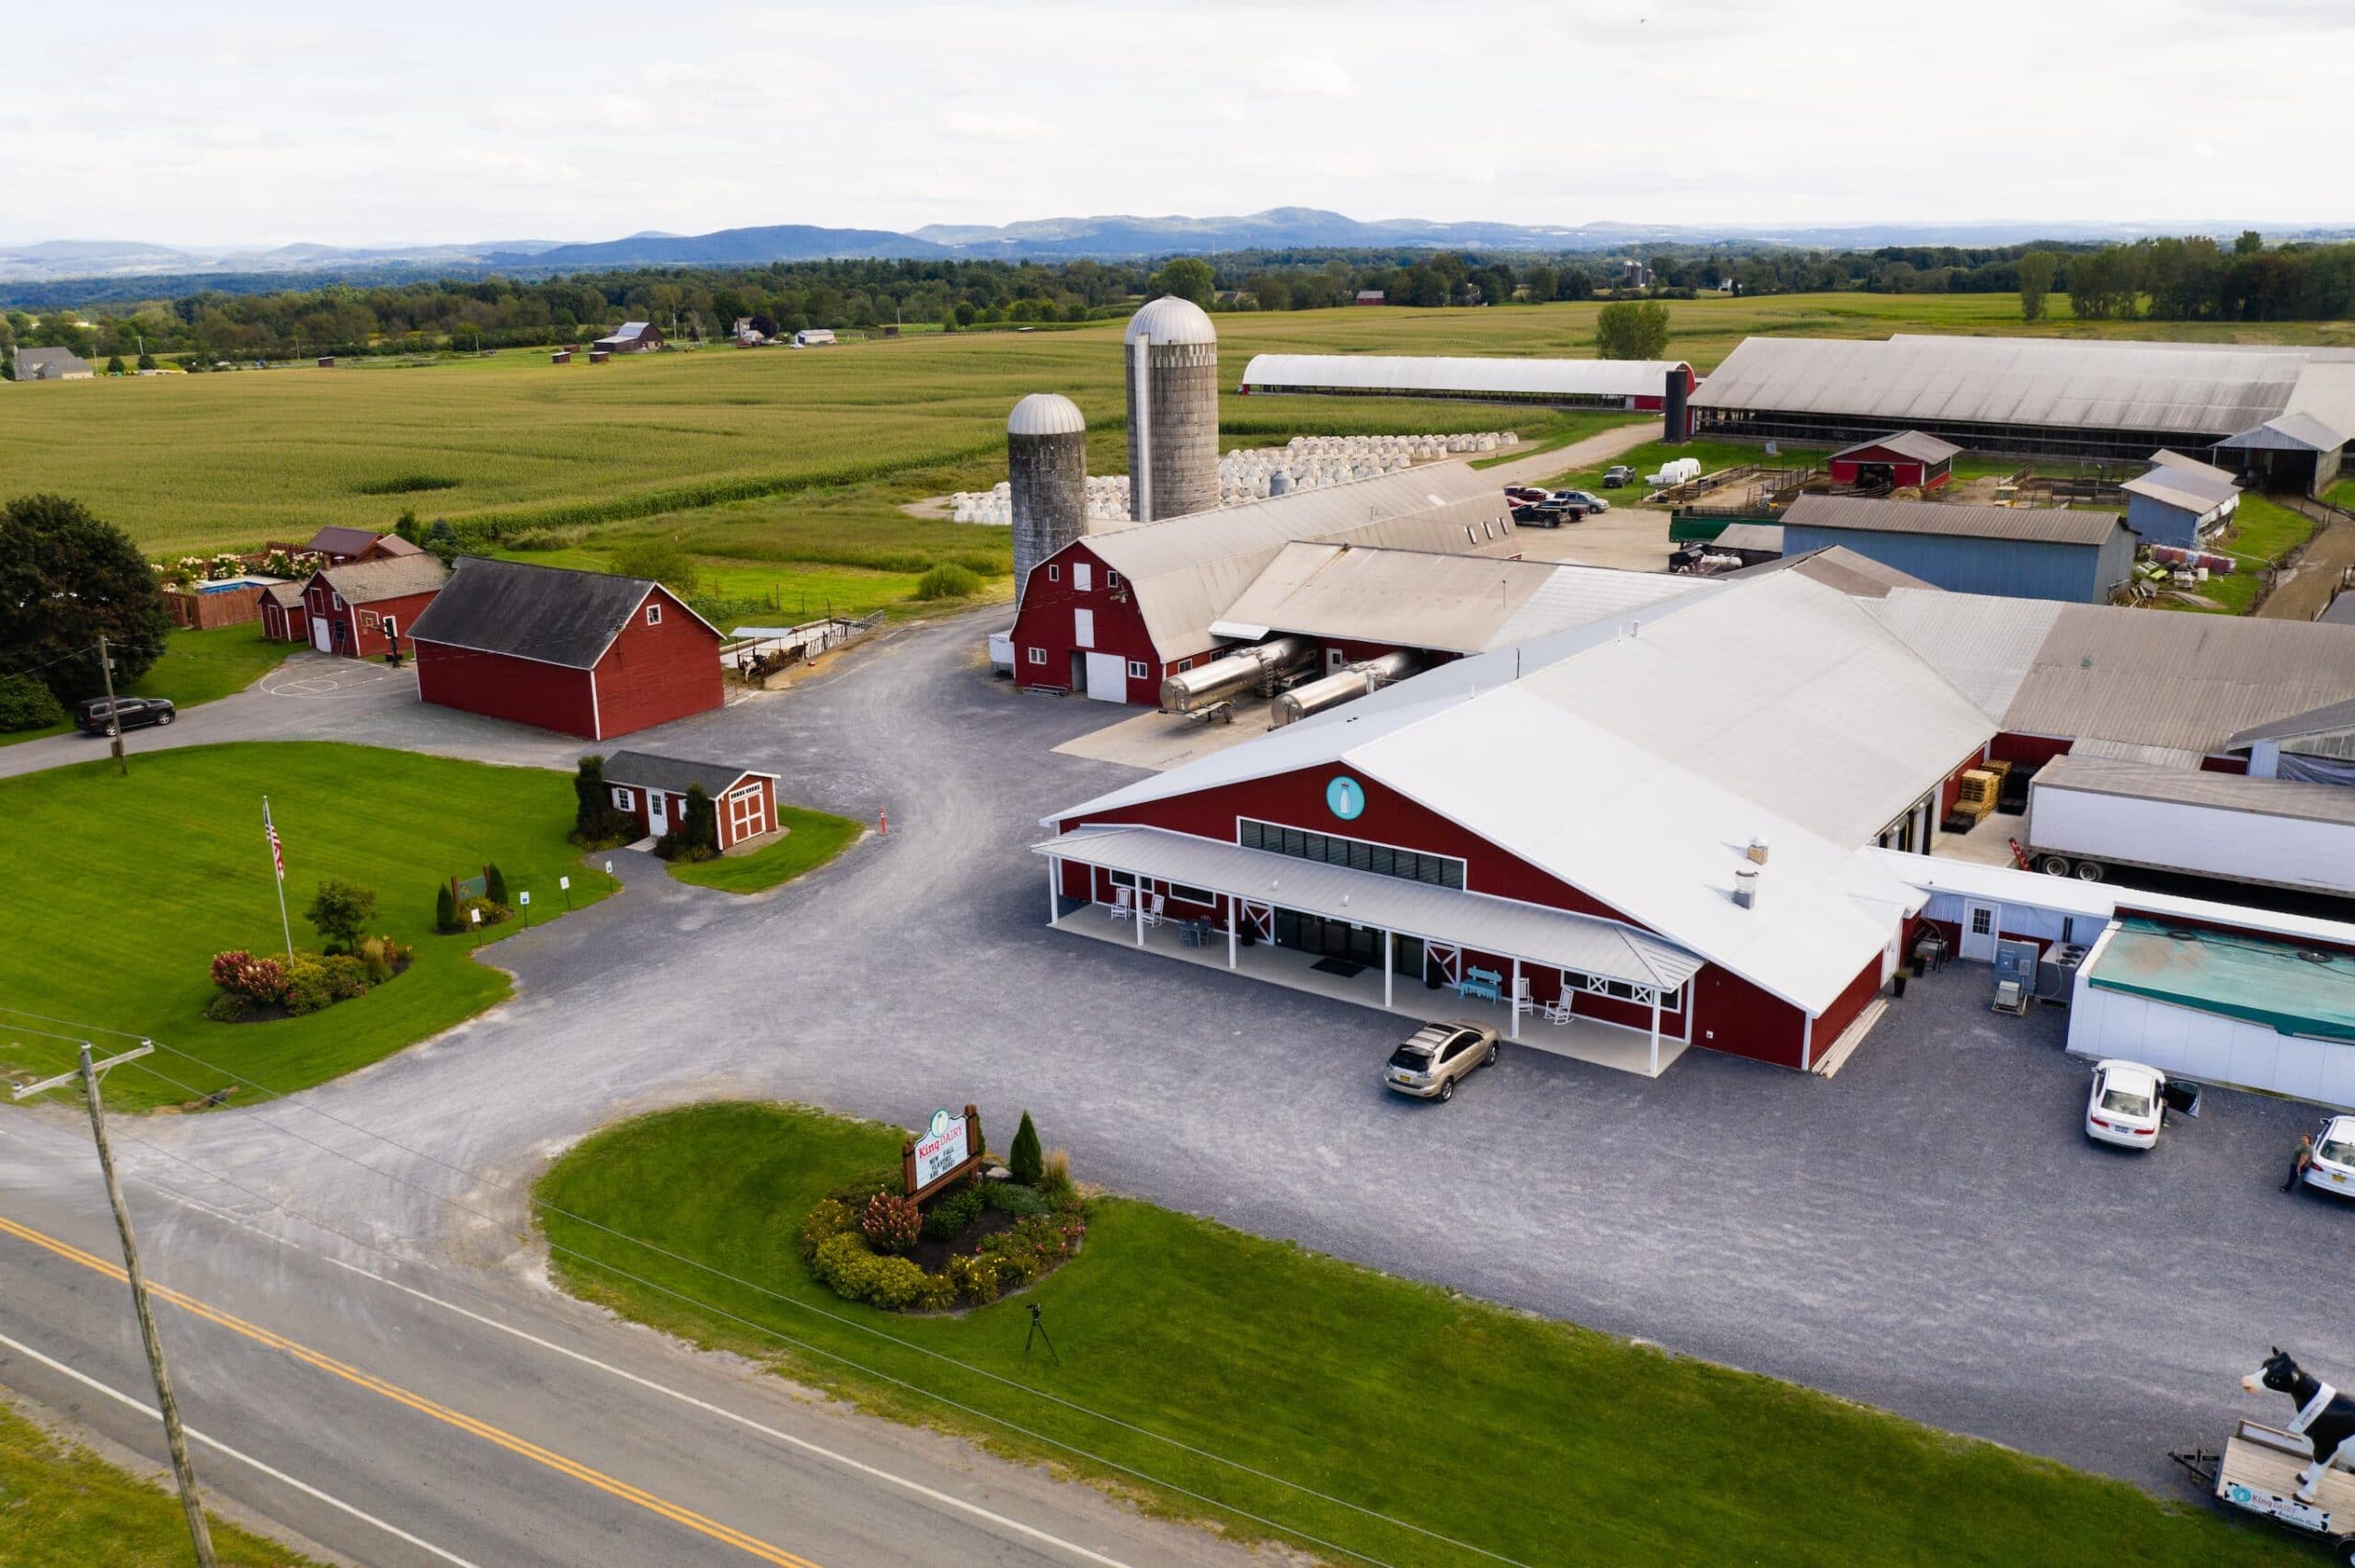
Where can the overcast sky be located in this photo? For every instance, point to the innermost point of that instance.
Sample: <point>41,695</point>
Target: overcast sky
<point>261,123</point>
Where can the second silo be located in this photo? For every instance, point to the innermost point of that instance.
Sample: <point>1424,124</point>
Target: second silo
<point>1173,409</point>
<point>1046,467</point>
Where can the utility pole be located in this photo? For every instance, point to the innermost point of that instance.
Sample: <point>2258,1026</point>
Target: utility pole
<point>114,723</point>
<point>174,1438</point>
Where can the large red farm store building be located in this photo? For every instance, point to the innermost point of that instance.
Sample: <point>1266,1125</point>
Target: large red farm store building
<point>586,653</point>
<point>1573,826</point>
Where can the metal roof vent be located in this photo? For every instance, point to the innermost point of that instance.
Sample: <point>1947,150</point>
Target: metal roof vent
<point>1757,852</point>
<point>2314,955</point>
<point>1745,887</point>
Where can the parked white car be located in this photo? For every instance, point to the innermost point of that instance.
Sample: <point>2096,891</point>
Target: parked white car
<point>2333,1164</point>
<point>2130,1102</point>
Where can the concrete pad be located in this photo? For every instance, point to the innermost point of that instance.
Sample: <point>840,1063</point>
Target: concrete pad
<point>1160,741</point>
<point>1628,538</point>
<point>1987,844</point>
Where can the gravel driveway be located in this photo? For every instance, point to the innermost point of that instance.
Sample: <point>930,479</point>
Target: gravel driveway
<point>1927,1233</point>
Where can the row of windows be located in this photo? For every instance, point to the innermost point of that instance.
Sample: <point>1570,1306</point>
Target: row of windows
<point>1138,669</point>
<point>1621,990</point>
<point>1178,890</point>
<point>1082,575</point>
<point>1408,865</point>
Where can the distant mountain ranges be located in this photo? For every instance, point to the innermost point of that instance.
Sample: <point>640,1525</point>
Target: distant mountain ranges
<point>1120,238</point>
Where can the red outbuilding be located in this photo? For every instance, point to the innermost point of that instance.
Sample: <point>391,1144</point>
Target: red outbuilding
<point>586,653</point>
<point>654,790</point>
<point>362,611</point>
<point>284,619</point>
<point>1906,461</point>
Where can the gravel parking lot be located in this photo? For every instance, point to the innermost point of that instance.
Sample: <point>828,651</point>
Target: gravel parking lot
<point>1929,1232</point>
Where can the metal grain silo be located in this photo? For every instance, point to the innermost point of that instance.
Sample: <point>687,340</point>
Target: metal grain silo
<point>1173,409</point>
<point>1046,465</point>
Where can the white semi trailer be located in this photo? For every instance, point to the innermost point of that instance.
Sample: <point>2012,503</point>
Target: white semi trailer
<point>2087,815</point>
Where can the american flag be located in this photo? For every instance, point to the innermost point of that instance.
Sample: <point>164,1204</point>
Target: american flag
<point>277,851</point>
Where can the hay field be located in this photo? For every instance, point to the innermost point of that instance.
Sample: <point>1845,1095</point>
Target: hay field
<point>766,454</point>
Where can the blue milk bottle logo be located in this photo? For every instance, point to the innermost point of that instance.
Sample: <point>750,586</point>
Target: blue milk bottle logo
<point>1345,798</point>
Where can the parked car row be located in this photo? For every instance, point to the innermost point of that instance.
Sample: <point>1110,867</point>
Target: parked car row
<point>1551,509</point>
<point>2129,1103</point>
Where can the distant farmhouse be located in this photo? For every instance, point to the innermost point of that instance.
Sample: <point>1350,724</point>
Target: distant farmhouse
<point>51,364</point>
<point>630,337</point>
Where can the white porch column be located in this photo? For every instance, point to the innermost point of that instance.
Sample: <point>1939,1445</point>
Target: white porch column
<point>1234,923</point>
<point>1389,963</point>
<point>1054,888</point>
<point>1654,1068</point>
<point>1513,1000</point>
<point>1136,909</point>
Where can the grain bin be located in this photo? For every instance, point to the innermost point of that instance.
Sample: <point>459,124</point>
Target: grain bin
<point>1173,409</point>
<point>1046,469</point>
<point>1676,409</point>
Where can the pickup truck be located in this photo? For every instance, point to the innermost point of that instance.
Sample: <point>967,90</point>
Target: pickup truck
<point>1617,476</point>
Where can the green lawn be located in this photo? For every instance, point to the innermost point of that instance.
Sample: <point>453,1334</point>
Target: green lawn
<point>785,594</point>
<point>197,666</point>
<point>2263,532</point>
<point>62,1507</point>
<point>145,877</point>
<point>811,838</point>
<point>1531,1438</point>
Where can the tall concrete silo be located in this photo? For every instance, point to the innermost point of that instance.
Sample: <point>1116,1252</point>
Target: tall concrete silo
<point>1173,410</point>
<point>1046,464</point>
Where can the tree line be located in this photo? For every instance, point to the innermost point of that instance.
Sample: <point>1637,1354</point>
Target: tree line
<point>2188,279</point>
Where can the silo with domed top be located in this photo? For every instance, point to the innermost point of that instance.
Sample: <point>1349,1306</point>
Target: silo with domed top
<point>1173,409</point>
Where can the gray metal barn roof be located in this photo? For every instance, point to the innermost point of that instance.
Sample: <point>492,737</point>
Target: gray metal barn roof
<point>673,775</point>
<point>552,614</point>
<point>1916,444</point>
<point>2287,432</point>
<point>2211,389</point>
<point>1863,514</point>
<point>366,582</point>
<point>2229,792</point>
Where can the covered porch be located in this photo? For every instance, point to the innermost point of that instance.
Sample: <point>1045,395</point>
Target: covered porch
<point>1593,989</point>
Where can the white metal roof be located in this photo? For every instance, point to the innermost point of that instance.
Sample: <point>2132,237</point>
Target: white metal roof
<point>1411,374</point>
<point>2102,900</point>
<point>1412,599</point>
<point>2099,384</point>
<point>1185,571</point>
<point>1635,766</point>
<point>1412,909</point>
<point>1170,320</point>
<point>1749,536</point>
<point>1046,414</point>
<point>2208,473</point>
<point>2183,490</point>
<point>2189,786</point>
<point>2288,432</point>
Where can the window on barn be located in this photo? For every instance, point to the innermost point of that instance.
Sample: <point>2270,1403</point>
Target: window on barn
<point>1122,878</point>
<point>624,800</point>
<point>1357,854</point>
<point>1182,665</point>
<point>1054,571</point>
<point>1186,894</point>
<point>1081,577</point>
<point>1137,670</point>
<point>654,614</point>
<point>1038,656</point>
<point>1111,577</point>
<point>1670,1000</point>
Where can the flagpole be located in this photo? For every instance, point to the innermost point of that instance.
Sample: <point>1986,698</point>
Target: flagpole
<point>277,875</point>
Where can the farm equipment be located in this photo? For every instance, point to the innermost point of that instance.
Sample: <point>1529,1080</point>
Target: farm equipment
<point>2257,1473</point>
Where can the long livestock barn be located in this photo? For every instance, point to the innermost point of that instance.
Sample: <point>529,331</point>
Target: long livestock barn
<point>2034,396</point>
<point>1568,384</point>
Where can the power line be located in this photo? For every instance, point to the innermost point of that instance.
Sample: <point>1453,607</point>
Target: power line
<point>531,1201</point>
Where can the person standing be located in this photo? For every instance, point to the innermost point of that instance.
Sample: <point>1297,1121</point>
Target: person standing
<point>2299,1163</point>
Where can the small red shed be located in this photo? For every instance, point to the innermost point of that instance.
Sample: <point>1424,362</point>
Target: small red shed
<point>587,653</point>
<point>360,610</point>
<point>1908,460</point>
<point>284,619</point>
<point>654,790</point>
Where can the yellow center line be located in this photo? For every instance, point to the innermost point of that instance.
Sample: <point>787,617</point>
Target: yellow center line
<point>726,1534</point>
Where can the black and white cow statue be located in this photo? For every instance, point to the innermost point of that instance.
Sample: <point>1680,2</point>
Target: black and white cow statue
<point>2325,1417</point>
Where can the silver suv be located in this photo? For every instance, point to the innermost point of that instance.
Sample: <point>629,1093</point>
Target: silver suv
<point>1437,1057</point>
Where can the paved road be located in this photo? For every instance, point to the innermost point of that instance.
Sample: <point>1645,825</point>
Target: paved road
<point>1926,1232</point>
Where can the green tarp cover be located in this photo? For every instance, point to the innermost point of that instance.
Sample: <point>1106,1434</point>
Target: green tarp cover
<point>2235,974</point>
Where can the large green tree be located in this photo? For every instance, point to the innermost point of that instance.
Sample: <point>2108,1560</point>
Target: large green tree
<point>1631,329</point>
<point>2037,269</point>
<point>66,578</point>
<point>1189,278</point>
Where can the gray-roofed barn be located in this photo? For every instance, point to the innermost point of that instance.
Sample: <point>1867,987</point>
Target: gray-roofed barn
<point>653,790</point>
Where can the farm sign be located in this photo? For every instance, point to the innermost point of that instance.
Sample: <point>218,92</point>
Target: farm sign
<point>948,1149</point>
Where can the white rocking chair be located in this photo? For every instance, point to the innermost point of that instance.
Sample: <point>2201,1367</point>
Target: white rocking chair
<point>1119,908</point>
<point>1155,910</point>
<point>1522,1002</point>
<point>1556,1011</point>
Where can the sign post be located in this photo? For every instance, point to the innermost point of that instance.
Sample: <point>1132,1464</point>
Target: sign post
<point>948,1150</point>
<point>526,898</point>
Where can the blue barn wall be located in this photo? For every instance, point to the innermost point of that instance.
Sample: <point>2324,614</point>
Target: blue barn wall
<point>2075,574</point>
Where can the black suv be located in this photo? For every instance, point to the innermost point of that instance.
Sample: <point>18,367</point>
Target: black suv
<point>96,717</point>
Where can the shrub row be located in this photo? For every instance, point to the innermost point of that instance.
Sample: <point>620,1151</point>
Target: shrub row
<point>834,1242</point>
<point>308,983</point>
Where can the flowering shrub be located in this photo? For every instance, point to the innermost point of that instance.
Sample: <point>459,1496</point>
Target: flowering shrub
<point>890,1222</point>
<point>843,1251</point>
<point>951,1215</point>
<point>240,973</point>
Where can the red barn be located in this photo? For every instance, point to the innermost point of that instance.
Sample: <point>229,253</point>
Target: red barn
<point>1111,615</point>
<point>654,790</point>
<point>1673,885</point>
<point>1908,460</point>
<point>361,609</point>
<point>586,653</point>
<point>284,619</point>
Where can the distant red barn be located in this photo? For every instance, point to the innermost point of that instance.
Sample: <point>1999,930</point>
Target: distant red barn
<point>586,653</point>
<point>360,610</point>
<point>1908,460</point>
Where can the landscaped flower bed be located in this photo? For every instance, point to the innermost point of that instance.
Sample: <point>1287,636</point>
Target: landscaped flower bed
<point>965,1247</point>
<point>258,990</point>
